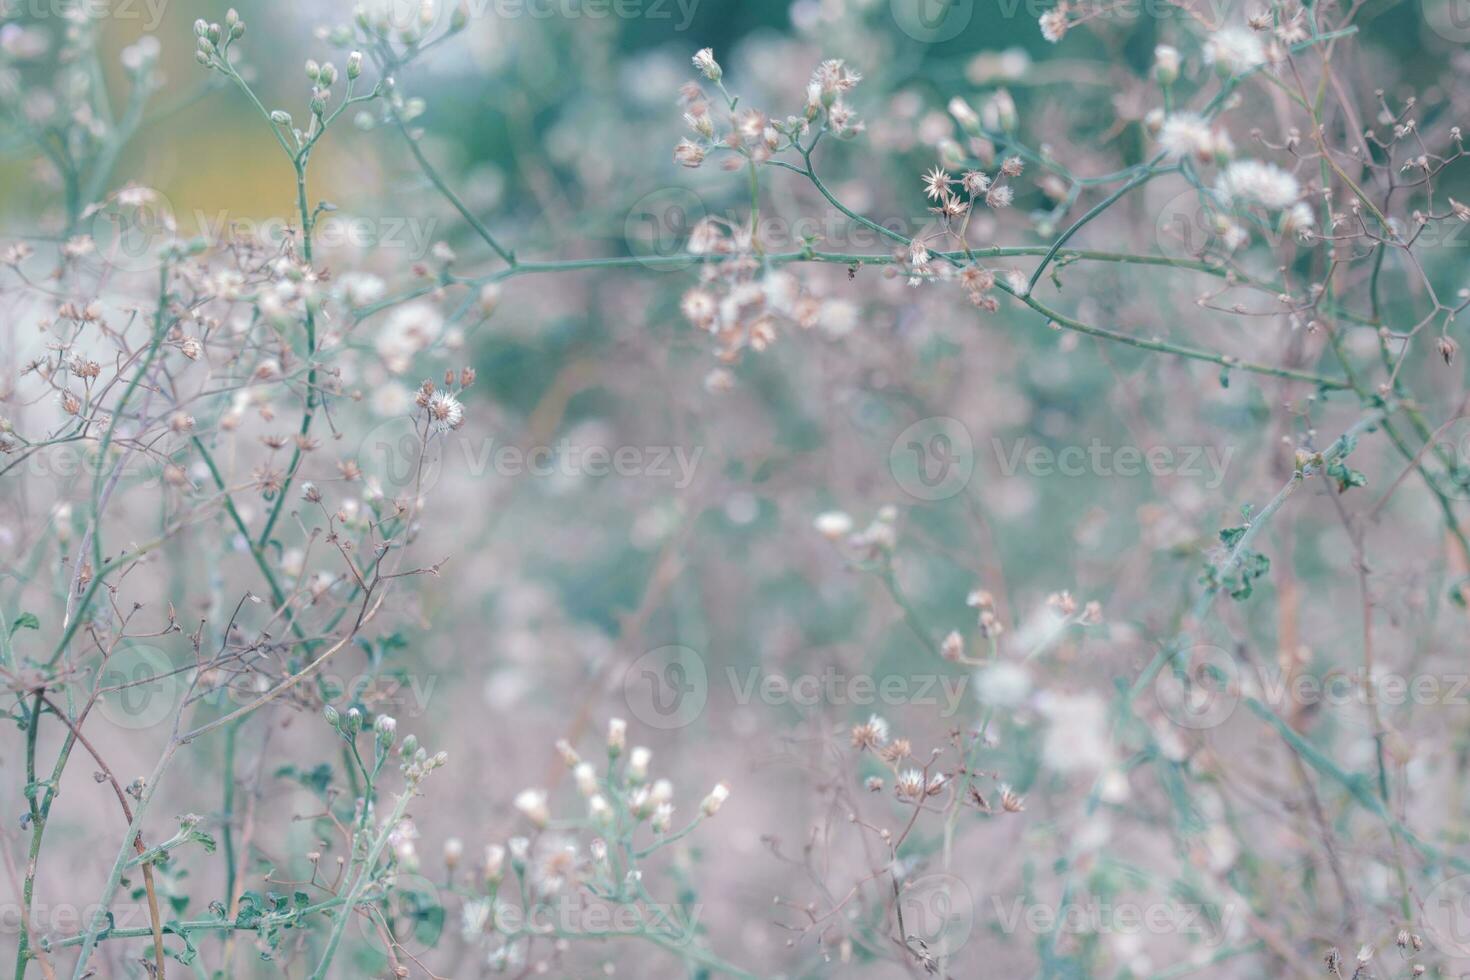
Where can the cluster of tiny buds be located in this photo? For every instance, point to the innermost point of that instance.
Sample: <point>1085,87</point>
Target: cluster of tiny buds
<point>877,539</point>
<point>644,800</point>
<point>213,39</point>
<point>443,408</point>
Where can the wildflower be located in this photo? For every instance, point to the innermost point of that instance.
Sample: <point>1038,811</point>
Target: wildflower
<point>1447,348</point>
<point>963,114</point>
<point>568,754</point>
<point>831,78</point>
<point>1185,134</point>
<point>1003,684</point>
<point>1054,24</point>
<point>951,206</point>
<point>1062,602</point>
<point>715,799</point>
<point>663,818</point>
<point>688,154</point>
<point>698,119</point>
<point>872,734</point>
<point>1461,211</point>
<point>445,412</point>
<point>1233,50</point>
<point>617,736</point>
<point>638,761</point>
<point>1254,182</point>
<point>699,308</point>
<point>410,329</point>
<point>953,646</point>
<point>401,839</point>
<point>586,778</point>
<point>661,792</point>
<point>718,381</point>
<point>705,238</point>
<point>1000,196</point>
<point>1298,219</point>
<point>494,863</point>
<point>598,809</point>
<point>1010,800</point>
<point>936,184</point>
<point>833,525</point>
<point>453,851</point>
<point>918,255</point>
<point>1166,64</point>
<point>999,111</point>
<point>704,60</point>
<point>910,785</point>
<point>532,804</point>
<point>974,182</point>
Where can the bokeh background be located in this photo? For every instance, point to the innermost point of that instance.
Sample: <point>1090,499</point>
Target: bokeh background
<point>561,589</point>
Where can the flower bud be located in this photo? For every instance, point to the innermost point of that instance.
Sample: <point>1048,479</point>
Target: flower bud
<point>638,764</point>
<point>494,864</point>
<point>313,70</point>
<point>715,799</point>
<point>354,64</point>
<point>1166,64</point>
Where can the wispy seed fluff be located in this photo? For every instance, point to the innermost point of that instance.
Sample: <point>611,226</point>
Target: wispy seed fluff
<point>1185,135</point>
<point>1234,50</point>
<point>1264,184</point>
